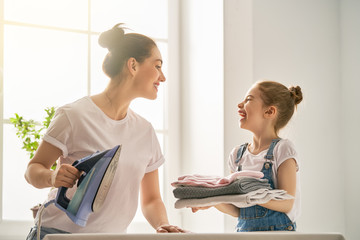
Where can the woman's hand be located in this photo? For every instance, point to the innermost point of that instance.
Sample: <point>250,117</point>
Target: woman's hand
<point>65,176</point>
<point>166,228</point>
<point>152,205</point>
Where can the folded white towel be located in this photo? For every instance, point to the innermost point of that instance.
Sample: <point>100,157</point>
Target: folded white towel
<point>259,196</point>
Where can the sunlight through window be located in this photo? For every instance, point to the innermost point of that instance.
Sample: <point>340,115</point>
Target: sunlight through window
<point>51,57</point>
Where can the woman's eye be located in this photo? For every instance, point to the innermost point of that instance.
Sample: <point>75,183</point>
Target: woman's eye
<point>158,67</point>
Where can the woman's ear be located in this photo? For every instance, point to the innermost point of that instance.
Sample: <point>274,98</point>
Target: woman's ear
<point>270,112</point>
<point>132,65</point>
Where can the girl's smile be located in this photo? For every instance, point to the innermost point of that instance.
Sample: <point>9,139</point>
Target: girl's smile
<point>251,110</point>
<point>242,114</point>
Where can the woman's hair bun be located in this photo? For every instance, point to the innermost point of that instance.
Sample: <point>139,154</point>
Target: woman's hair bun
<point>296,94</point>
<point>111,39</point>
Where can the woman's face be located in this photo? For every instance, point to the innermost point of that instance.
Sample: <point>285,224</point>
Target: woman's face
<point>251,110</point>
<point>149,76</point>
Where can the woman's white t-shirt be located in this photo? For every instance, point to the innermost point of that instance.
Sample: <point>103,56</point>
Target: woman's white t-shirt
<point>80,129</point>
<point>283,151</point>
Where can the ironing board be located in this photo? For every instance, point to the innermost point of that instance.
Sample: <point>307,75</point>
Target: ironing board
<point>201,236</point>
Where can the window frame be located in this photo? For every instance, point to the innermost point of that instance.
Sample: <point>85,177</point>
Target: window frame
<point>11,229</point>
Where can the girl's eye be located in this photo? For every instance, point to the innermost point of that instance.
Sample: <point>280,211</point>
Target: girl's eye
<point>158,67</point>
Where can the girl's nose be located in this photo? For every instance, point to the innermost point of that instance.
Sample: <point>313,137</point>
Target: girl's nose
<point>240,105</point>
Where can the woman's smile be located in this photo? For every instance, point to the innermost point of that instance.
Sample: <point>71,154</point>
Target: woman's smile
<point>156,85</point>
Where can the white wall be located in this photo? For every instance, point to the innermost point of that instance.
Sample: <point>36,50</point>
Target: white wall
<point>238,76</point>
<point>201,80</point>
<point>314,44</point>
<point>298,42</point>
<point>350,114</point>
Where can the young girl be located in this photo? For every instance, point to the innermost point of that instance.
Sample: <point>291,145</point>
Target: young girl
<point>267,108</point>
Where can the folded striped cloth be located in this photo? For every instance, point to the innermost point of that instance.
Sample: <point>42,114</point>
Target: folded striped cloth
<point>241,186</point>
<point>259,196</point>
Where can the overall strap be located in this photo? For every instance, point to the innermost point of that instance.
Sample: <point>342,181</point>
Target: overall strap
<point>239,155</point>
<point>270,153</point>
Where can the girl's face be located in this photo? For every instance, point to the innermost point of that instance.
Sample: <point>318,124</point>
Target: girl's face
<point>149,76</point>
<point>251,110</point>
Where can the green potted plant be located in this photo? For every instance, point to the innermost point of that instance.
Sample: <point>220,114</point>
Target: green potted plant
<point>31,132</point>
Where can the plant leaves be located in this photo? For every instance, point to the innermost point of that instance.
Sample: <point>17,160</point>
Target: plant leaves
<point>31,132</point>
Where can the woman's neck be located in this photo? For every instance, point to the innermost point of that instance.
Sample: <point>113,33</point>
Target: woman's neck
<point>114,101</point>
<point>115,107</point>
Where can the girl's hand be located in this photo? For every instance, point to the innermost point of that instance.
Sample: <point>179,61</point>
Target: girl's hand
<point>166,228</point>
<point>195,209</point>
<point>65,176</point>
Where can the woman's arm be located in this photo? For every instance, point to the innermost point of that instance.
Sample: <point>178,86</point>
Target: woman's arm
<point>38,171</point>
<point>287,181</point>
<point>152,205</point>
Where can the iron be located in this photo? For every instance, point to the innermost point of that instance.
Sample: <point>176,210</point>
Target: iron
<point>92,187</point>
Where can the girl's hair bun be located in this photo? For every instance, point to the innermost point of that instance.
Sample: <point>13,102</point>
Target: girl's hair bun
<point>111,39</point>
<point>296,94</point>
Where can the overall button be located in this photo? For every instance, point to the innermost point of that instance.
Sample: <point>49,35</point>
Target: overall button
<point>290,228</point>
<point>267,165</point>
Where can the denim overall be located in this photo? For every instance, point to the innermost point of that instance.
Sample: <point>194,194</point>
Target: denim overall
<point>257,218</point>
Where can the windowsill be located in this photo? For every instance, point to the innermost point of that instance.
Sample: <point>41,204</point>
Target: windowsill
<point>11,229</point>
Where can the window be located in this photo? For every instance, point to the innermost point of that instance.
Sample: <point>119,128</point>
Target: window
<point>50,57</point>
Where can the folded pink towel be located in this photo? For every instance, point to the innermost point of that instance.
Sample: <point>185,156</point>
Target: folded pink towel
<point>214,181</point>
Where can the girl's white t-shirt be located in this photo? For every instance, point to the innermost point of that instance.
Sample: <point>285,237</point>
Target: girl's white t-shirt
<point>283,151</point>
<point>80,129</point>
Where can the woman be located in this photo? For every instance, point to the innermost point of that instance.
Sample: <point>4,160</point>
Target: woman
<point>100,122</point>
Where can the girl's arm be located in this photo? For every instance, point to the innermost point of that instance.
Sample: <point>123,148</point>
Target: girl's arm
<point>38,171</point>
<point>287,181</point>
<point>228,209</point>
<point>223,207</point>
<point>152,205</point>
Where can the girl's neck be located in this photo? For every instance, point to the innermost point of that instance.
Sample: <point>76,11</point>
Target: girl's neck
<point>262,142</point>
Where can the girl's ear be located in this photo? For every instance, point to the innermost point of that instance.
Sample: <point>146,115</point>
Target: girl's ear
<point>270,112</point>
<point>132,66</point>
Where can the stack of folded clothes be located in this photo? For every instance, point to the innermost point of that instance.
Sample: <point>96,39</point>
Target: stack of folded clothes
<point>242,189</point>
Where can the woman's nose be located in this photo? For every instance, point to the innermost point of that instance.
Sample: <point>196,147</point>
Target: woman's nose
<point>240,105</point>
<point>162,77</point>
